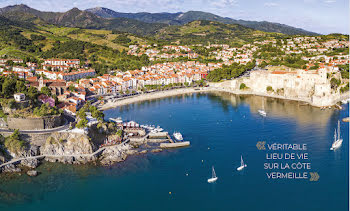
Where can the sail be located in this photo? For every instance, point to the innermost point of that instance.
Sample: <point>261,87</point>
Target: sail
<point>242,162</point>
<point>213,173</point>
<point>335,135</point>
<point>338,130</point>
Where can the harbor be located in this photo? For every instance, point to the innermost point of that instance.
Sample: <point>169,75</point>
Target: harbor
<point>150,136</point>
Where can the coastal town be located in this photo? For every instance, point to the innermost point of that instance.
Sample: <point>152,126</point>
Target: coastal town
<point>57,100</point>
<point>74,83</point>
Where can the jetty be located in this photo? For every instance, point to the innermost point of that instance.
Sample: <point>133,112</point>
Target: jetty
<point>346,119</point>
<point>175,145</point>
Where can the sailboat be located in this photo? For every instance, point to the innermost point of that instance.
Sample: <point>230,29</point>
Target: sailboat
<point>262,111</point>
<point>337,139</point>
<point>242,165</point>
<point>213,176</point>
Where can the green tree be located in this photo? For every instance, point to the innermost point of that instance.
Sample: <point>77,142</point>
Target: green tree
<point>20,86</point>
<point>32,93</point>
<point>9,87</point>
<point>242,86</point>
<point>82,123</point>
<point>46,90</point>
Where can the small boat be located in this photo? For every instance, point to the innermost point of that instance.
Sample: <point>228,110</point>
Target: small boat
<point>243,165</point>
<point>345,101</point>
<point>337,139</point>
<point>262,111</point>
<point>178,136</point>
<point>117,120</point>
<point>213,176</point>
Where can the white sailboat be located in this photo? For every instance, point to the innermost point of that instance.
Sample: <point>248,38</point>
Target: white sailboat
<point>337,139</point>
<point>213,176</point>
<point>262,111</point>
<point>243,165</point>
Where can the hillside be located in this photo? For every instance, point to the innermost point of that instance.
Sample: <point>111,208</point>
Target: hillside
<point>183,18</point>
<point>38,41</point>
<point>80,19</point>
<point>203,32</point>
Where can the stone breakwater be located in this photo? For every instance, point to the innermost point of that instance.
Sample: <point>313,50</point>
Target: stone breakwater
<point>218,87</point>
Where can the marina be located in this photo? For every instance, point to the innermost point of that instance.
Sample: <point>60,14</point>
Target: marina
<point>144,133</point>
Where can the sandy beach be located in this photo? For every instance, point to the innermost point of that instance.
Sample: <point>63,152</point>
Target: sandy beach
<point>168,93</point>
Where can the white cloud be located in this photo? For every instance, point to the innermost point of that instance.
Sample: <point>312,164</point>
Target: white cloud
<point>330,1</point>
<point>270,4</point>
<point>224,3</point>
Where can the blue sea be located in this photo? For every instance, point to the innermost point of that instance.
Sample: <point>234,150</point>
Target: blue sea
<point>221,127</point>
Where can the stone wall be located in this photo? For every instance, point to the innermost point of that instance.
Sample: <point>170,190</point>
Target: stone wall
<point>35,123</point>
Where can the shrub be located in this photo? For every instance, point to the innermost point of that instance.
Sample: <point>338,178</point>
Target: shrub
<point>242,86</point>
<point>14,144</point>
<point>269,89</point>
<point>82,123</point>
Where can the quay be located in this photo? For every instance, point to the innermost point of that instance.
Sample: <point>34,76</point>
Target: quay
<point>175,145</point>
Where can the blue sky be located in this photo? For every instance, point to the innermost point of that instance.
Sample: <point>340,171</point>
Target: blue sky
<point>322,16</point>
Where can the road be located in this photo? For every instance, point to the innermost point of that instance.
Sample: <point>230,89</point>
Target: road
<point>56,129</point>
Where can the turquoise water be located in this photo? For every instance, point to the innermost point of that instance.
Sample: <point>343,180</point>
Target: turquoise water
<point>220,127</point>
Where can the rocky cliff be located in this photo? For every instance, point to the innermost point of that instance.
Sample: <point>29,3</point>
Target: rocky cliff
<point>67,144</point>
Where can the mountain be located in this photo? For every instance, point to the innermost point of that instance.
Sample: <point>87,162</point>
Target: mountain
<point>183,18</point>
<point>80,19</point>
<point>203,31</point>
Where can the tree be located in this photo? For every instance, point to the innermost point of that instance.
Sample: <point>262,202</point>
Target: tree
<point>20,86</point>
<point>9,87</point>
<point>82,123</point>
<point>242,86</point>
<point>32,93</point>
<point>46,90</point>
<point>71,88</point>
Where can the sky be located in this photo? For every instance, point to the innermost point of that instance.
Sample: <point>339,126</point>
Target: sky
<point>322,16</point>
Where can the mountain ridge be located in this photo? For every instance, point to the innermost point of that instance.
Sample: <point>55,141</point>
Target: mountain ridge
<point>181,18</point>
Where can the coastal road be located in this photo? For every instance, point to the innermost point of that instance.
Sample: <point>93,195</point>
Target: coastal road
<point>56,129</point>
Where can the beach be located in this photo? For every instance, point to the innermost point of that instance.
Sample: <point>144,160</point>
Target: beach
<point>112,103</point>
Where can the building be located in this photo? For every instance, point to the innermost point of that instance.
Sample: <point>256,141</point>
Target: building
<point>19,97</point>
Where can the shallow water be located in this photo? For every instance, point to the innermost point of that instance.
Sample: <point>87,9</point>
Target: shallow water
<point>221,128</point>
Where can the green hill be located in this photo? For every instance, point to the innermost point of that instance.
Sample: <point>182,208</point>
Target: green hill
<point>203,32</point>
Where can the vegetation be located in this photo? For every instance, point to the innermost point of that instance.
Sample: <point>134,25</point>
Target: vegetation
<point>14,143</point>
<point>228,72</point>
<point>335,83</point>
<point>45,110</point>
<point>243,86</point>
<point>269,89</point>
<point>344,88</point>
<point>344,70</point>
<point>82,123</point>
<point>205,32</point>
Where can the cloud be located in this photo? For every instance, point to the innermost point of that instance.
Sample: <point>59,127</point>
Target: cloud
<point>330,1</point>
<point>270,4</point>
<point>224,3</point>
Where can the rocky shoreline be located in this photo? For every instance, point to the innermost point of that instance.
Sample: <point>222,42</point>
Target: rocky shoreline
<point>74,149</point>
